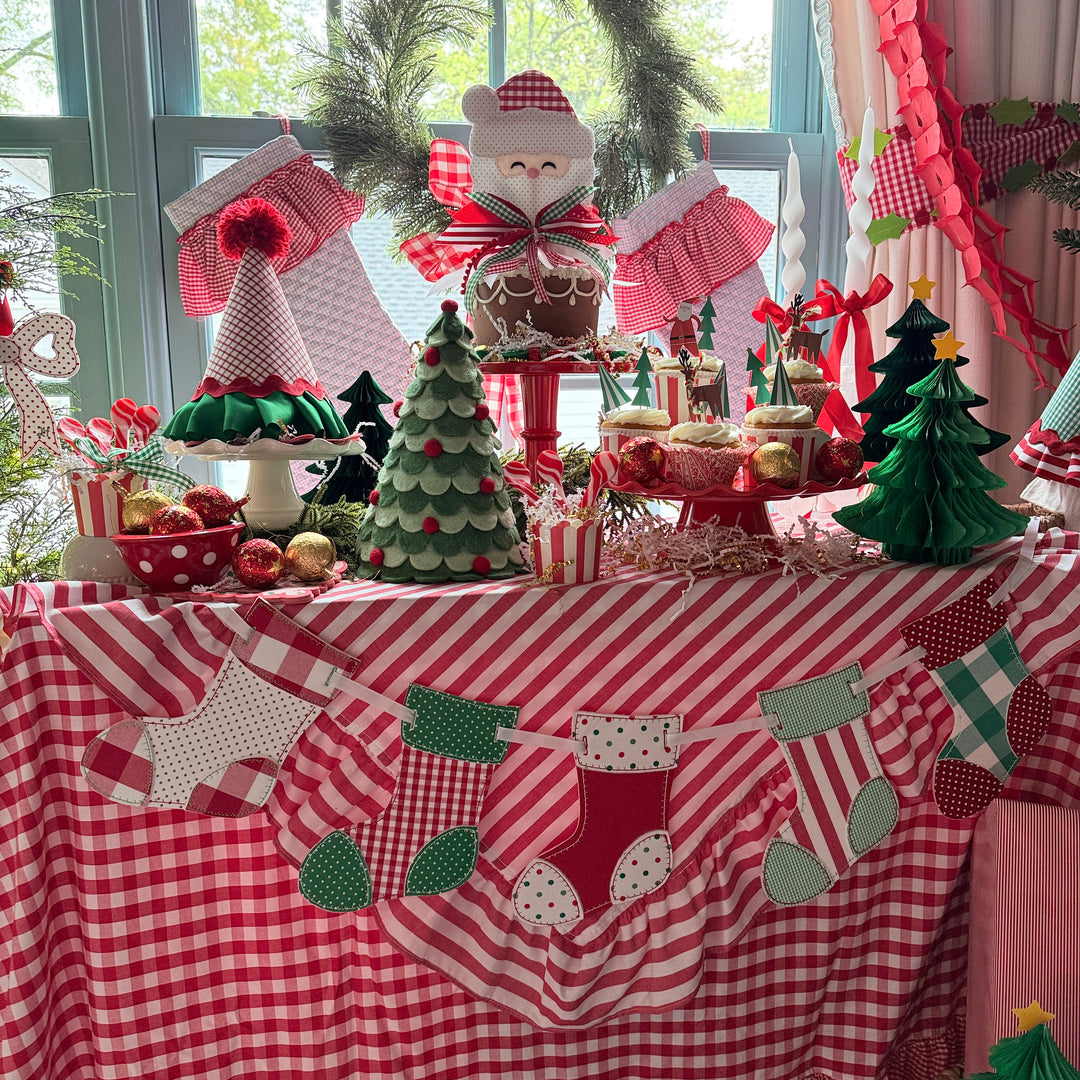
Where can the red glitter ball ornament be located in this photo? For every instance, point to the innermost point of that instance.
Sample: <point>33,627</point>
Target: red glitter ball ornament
<point>376,557</point>
<point>258,563</point>
<point>397,407</point>
<point>431,356</point>
<point>433,448</point>
<point>373,498</point>
<point>431,525</point>
<point>642,460</point>
<point>212,504</point>
<point>481,564</point>
<point>175,519</point>
<point>449,306</point>
<point>482,411</point>
<point>487,486</point>
<point>839,459</point>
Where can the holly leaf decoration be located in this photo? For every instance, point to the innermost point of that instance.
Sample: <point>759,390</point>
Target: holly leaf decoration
<point>888,227</point>
<point>1020,176</point>
<point>881,140</point>
<point>1069,111</point>
<point>1071,156</point>
<point>1012,111</point>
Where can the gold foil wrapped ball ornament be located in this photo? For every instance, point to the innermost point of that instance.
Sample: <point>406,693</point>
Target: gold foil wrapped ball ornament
<point>310,556</point>
<point>775,463</point>
<point>140,507</point>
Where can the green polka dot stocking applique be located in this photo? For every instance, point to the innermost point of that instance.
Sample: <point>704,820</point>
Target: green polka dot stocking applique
<point>621,849</point>
<point>427,840</point>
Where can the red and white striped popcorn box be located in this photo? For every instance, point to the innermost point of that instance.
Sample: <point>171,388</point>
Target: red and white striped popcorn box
<point>99,507</point>
<point>671,396</point>
<point>576,542</point>
<point>804,441</point>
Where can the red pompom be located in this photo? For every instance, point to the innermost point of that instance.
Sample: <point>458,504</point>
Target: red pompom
<point>449,306</point>
<point>373,498</point>
<point>376,557</point>
<point>431,525</point>
<point>482,411</point>
<point>481,564</point>
<point>397,407</point>
<point>433,448</point>
<point>487,486</point>
<point>431,356</point>
<point>253,223</point>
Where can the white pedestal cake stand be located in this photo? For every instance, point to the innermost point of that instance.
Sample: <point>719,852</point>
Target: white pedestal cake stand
<point>274,502</point>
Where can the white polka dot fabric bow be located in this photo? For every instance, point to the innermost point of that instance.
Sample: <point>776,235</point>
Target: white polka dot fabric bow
<point>20,356</point>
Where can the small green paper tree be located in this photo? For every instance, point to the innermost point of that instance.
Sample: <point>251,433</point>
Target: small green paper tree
<point>1031,1056</point>
<point>441,511</point>
<point>758,383</point>
<point>930,502</point>
<point>912,359</point>
<point>643,382</point>
<point>353,478</point>
<point>708,325</point>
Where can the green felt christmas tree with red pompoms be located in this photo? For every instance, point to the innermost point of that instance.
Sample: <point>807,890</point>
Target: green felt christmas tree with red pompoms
<point>441,511</point>
<point>930,502</point>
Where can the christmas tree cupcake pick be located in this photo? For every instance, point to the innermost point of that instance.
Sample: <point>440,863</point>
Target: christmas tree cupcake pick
<point>259,380</point>
<point>441,511</point>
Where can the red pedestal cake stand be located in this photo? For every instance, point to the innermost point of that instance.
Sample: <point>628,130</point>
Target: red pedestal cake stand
<point>540,397</point>
<point>742,505</point>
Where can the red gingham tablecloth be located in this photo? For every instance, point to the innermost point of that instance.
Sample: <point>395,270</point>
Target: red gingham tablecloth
<point>164,945</point>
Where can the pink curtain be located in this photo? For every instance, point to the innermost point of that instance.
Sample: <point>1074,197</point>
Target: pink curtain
<point>1003,48</point>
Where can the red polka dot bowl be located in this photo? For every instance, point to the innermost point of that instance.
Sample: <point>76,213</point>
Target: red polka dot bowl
<point>179,560</point>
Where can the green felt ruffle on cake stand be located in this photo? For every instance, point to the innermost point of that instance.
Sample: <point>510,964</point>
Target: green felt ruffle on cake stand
<point>232,417</point>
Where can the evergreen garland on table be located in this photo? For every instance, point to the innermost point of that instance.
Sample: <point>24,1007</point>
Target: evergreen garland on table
<point>365,90</point>
<point>1061,187</point>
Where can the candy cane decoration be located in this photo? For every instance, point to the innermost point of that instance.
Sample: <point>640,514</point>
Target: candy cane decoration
<point>603,470</point>
<point>517,475</point>
<point>102,432</point>
<point>143,424</point>
<point>122,412</point>
<point>549,468</point>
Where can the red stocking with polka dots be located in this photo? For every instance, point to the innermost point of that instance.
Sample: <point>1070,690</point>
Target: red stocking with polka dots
<point>621,848</point>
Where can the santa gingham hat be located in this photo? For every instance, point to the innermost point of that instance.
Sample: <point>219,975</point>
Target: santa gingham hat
<point>1051,447</point>
<point>257,348</point>
<point>528,113</point>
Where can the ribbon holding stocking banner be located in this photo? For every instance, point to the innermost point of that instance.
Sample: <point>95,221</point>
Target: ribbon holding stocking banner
<point>19,358</point>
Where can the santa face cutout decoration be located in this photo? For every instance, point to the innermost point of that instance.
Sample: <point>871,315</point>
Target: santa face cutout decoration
<point>527,145</point>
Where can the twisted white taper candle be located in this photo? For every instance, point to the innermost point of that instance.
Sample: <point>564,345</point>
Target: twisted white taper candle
<point>793,242</point>
<point>858,248</point>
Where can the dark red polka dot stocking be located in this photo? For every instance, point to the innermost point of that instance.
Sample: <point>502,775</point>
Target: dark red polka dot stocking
<point>621,848</point>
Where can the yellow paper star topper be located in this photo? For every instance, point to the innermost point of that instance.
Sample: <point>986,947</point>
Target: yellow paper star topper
<point>921,287</point>
<point>946,347</point>
<point>1031,1017</point>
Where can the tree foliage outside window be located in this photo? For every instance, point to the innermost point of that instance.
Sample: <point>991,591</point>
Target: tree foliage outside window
<point>27,68</point>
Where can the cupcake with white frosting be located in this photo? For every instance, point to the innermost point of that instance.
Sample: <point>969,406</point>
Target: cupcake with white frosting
<point>702,455</point>
<point>808,382</point>
<point>785,420</point>
<point>627,422</point>
<point>670,383</point>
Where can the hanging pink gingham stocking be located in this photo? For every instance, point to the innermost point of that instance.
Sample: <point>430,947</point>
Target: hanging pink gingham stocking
<point>1001,711</point>
<point>222,759</point>
<point>846,806</point>
<point>427,840</point>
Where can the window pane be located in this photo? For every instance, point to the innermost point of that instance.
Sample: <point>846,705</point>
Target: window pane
<point>27,67</point>
<point>761,189</point>
<point>733,43</point>
<point>31,175</point>
<point>456,73</point>
<point>249,56</point>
